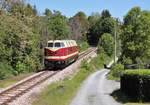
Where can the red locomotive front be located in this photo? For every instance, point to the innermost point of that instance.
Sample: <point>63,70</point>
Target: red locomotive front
<point>60,53</point>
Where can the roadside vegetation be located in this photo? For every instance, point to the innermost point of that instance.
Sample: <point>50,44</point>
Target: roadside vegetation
<point>11,80</point>
<point>62,92</point>
<point>116,72</point>
<point>132,68</point>
<point>83,45</point>
<point>134,42</point>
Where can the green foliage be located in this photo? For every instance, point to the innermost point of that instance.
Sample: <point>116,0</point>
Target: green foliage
<point>19,38</point>
<point>135,36</point>
<point>8,81</point>
<point>127,60</point>
<point>5,70</point>
<point>105,14</point>
<point>23,34</point>
<point>79,26</point>
<point>104,24</point>
<point>93,19</point>
<point>96,63</point>
<point>107,43</point>
<point>82,45</point>
<point>57,25</point>
<point>20,67</point>
<point>140,72</point>
<point>47,12</point>
<point>116,71</point>
<point>2,75</point>
<point>100,60</point>
<point>85,65</point>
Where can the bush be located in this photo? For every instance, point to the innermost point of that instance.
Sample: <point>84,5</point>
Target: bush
<point>96,63</point>
<point>136,84</point>
<point>20,67</point>
<point>32,63</point>
<point>100,60</point>
<point>117,70</point>
<point>83,46</point>
<point>107,43</point>
<point>5,70</point>
<point>85,65</point>
<point>2,74</point>
<point>127,60</point>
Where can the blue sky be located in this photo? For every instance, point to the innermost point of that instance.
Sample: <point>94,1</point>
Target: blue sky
<point>118,8</point>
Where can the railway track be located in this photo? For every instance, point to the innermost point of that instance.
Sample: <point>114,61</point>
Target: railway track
<point>82,54</point>
<point>19,89</point>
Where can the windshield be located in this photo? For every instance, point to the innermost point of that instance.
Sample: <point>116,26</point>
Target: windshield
<point>50,44</point>
<point>57,44</point>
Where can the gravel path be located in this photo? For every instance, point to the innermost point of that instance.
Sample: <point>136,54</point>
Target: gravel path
<point>96,90</point>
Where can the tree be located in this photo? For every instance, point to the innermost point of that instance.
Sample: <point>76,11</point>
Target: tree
<point>79,26</point>
<point>93,19</point>
<point>105,14</point>
<point>92,36</point>
<point>19,38</point>
<point>107,42</point>
<point>58,26</point>
<point>136,35</point>
<point>47,12</point>
<point>105,24</point>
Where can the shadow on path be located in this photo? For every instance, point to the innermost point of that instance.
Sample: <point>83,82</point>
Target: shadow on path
<point>119,96</point>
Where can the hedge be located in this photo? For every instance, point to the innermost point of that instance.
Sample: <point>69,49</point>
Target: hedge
<point>136,84</point>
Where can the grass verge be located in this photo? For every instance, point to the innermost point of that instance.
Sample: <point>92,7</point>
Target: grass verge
<point>9,81</point>
<point>61,93</point>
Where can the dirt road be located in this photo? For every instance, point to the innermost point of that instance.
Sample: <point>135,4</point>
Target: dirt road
<point>96,90</point>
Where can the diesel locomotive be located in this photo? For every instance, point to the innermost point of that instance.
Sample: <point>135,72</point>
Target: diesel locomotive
<point>60,53</point>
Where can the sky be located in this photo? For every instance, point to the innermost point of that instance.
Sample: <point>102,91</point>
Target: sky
<point>117,8</point>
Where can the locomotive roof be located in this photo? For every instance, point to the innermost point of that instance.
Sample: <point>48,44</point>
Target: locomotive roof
<point>66,43</point>
<point>60,40</point>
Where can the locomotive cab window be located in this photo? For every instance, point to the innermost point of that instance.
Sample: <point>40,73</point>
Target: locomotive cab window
<point>57,44</point>
<point>50,44</point>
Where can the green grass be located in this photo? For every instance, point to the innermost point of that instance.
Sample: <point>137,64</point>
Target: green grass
<point>142,72</point>
<point>111,77</point>
<point>11,80</point>
<point>62,92</point>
